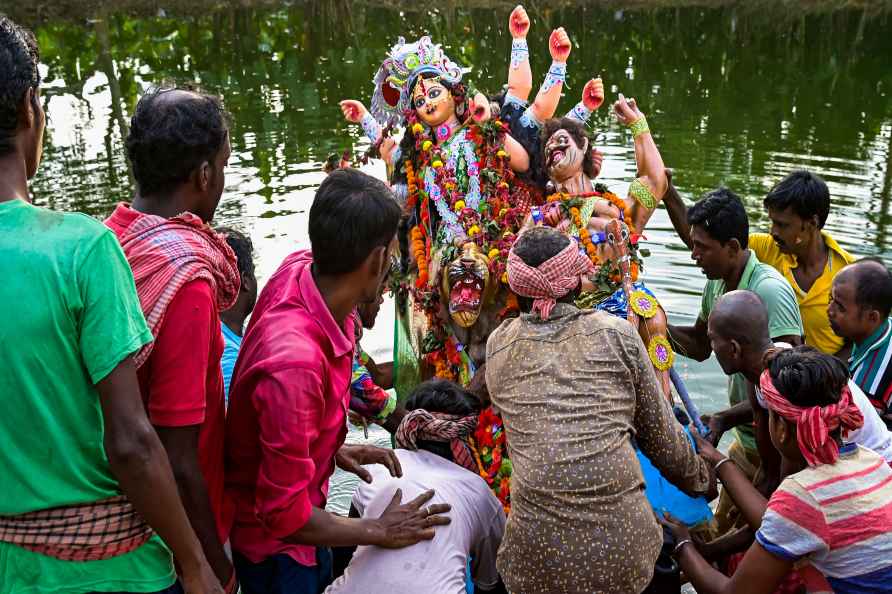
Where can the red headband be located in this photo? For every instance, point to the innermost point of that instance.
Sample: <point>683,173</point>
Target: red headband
<point>815,423</point>
<point>452,429</point>
<point>549,281</point>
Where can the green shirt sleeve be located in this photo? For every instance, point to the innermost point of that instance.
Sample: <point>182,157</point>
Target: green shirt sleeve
<point>112,325</point>
<point>783,309</point>
<point>709,298</point>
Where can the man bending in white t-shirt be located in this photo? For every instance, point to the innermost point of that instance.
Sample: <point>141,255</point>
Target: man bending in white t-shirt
<point>434,455</point>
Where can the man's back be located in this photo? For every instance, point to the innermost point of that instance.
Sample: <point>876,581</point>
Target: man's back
<point>72,317</point>
<point>436,566</point>
<point>572,392</point>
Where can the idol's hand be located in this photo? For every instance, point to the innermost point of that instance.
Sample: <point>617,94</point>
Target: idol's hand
<point>597,161</point>
<point>626,110</point>
<point>593,94</point>
<point>559,45</point>
<point>480,109</point>
<point>519,23</point>
<point>353,111</point>
<point>386,149</point>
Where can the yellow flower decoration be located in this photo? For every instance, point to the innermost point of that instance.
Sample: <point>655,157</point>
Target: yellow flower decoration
<point>643,304</point>
<point>459,205</point>
<point>437,164</point>
<point>501,153</point>
<point>473,231</point>
<point>505,278</point>
<point>417,129</point>
<point>426,145</point>
<point>503,212</point>
<point>660,352</point>
<point>494,253</point>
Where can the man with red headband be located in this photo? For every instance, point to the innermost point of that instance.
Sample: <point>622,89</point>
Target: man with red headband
<point>831,517</point>
<point>573,386</point>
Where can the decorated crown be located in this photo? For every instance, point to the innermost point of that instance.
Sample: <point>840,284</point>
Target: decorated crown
<point>397,75</point>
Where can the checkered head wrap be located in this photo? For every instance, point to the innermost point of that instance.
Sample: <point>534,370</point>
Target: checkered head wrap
<point>814,424</point>
<point>549,281</point>
<point>455,430</point>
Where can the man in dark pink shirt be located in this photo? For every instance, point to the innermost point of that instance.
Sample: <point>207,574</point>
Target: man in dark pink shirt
<point>289,397</point>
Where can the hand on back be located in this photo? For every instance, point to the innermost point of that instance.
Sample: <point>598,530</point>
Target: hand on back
<point>402,525</point>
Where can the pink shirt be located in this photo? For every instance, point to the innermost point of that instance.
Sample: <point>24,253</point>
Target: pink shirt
<point>287,412</point>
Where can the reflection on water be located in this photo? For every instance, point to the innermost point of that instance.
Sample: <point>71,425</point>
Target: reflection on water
<point>735,97</point>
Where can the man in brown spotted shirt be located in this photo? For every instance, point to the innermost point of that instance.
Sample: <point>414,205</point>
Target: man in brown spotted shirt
<point>573,390</point>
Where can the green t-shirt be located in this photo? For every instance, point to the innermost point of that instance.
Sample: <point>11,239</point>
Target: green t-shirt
<point>70,315</point>
<point>783,320</point>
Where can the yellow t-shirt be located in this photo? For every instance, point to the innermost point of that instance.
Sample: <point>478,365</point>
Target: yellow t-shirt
<point>813,304</point>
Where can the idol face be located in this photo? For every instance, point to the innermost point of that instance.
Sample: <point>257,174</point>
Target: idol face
<point>432,101</point>
<point>465,285</point>
<point>563,157</point>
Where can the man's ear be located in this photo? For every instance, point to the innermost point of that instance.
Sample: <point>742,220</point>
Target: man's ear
<point>203,176</point>
<point>736,349</point>
<point>28,109</point>
<point>733,245</point>
<point>248,282</point>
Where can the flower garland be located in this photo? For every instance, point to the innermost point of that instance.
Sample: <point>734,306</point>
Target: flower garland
<point>489,447</point>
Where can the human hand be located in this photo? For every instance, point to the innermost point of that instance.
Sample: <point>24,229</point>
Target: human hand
<point>597,161</point>
<point>675,526</point>
<point>353,111</point>
<point>201,580</point>
<point>626,110</point>
<point>404,525</point>
<point>388,145</point>
<point>351,458</point>
<point>716,426</point>
<point>559,45</point>
<point>593,94</point>
<point>479,108</point>
<point>519,22</point>
<point>706,450</point>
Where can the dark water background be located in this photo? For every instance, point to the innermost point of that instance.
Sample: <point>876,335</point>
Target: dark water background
<point>737,94</point>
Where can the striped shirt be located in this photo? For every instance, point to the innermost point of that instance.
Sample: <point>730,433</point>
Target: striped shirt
<point>871,367</point>
<point>838,517</point>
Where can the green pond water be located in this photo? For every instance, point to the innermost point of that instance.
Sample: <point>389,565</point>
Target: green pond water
<point>737,95</point>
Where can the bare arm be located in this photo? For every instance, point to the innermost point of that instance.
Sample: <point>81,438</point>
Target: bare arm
<point>678,212</point>
<point>751,503</point>
<point>400,525</point>
<point>759,573</point>
<point>549,94</point>
<point>138,461</point>
<point>519,158</point>
<point>520,77</point>
<point>181,444</point>
<point>691,341</point>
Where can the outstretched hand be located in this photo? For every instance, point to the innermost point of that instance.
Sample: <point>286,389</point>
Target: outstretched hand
<point>351,458</point>
<point>353,111</point>
<point>559,45</point>
<point>676,526</point>
<point>707,450</point>
<point>626,110</point>
<point>519,23</point>
<point>593,94</point>
<point>405,525</point>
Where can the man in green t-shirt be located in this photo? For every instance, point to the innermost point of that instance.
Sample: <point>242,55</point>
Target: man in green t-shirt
<point>719,231</point>
<point>75,428</point>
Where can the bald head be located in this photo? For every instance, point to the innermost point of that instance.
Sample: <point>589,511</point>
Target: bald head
<point>872,283</point>
<point>741,316</point>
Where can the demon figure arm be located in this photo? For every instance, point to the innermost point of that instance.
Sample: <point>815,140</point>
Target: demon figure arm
<point>649,187</point>
<point>520,77</point>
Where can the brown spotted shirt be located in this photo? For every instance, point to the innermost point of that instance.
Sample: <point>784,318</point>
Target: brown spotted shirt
<point>573,392</point>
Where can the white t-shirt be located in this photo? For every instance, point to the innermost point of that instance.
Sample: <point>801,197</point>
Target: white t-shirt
<point>873,434</point>
<point>433,566</point>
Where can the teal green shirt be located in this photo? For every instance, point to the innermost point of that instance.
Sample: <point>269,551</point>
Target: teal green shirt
<point>783,320</point>
<point>71,315</point>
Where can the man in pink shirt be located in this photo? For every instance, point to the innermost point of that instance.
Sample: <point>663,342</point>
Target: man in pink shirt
<point>289,397</point>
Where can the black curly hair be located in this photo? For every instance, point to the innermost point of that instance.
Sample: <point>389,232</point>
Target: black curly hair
<point>243,247</point>
<point>169,139</point>
<point>807,377</point>
<point>578,133</point>
<point>19,57</point>
<point>722,215</point>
